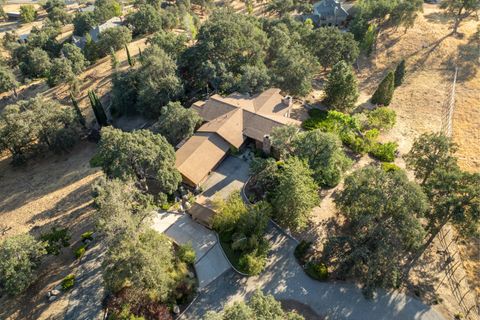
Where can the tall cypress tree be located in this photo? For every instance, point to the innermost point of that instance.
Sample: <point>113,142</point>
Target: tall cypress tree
<point>400,73</point>
<point>98,109</point>
<point>384,94</point>
<point>131,61</point>
<point>80,117</point>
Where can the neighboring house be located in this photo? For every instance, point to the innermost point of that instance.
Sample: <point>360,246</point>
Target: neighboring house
<point>96,31</point>
<point>13,15</point>
<point>329,13</point>
<point>230,122</point>
<point>90,8</point>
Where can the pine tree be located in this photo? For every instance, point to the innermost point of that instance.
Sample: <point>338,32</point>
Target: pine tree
<point>384,94</point>
<point>400,73</point>
<point>131,60</point>
<point>113,59</point>
<point>80,117</point>
<point>98,109</point>
<point>342,87</point>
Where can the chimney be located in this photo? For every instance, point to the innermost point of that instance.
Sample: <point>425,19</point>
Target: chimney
<point>267,144</point>
<point>287,100</point>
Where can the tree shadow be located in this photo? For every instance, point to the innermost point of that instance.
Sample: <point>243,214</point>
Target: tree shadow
<point>439,17</point>
<point>41,177</point>
<point>467,59</point>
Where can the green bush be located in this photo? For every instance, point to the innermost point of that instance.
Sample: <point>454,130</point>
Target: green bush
<point>87,236</point>
<point>80,251</point>
<point>390,167</point>
<point>301,250</point>
<point>56,239</point>
<point>68,282</point>
<point>381,118</point>
<point>317,271</point>
<point>186,253</point>
<point>384,151</point>
<point>252,264</point>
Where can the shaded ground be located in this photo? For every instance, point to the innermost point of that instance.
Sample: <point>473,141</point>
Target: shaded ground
<point>285,279</point>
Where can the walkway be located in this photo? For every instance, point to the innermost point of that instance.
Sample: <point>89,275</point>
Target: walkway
<point>210,261</point>
<point>85,301</point>
<point>285,279</point>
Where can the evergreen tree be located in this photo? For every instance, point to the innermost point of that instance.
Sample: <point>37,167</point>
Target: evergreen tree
<point>98,109</point>
<point>384,93</point>
<point>399,73</point>
<point>342,87</point>
<point>131,60</point>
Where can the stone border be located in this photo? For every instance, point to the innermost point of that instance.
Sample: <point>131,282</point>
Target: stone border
<point>226,257</point>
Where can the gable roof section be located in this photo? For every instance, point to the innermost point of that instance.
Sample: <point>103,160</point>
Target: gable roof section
<point>256,126</point>
<point>229,126</point>
<point>199,155</point>
<point>329,8</point>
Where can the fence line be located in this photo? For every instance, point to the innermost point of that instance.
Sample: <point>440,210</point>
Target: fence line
<point>447,119</point>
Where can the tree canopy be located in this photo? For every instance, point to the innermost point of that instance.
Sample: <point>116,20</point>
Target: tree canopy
<point>330,46</point>
<point>226,44</point>
<point>177,123</point>
<point>140,155</point>
<point>259,307</point>
<point>341,88</point>
<point>295,194</point>
<point>382,210</point>
<point>20,256</point>
<point>30,126</point>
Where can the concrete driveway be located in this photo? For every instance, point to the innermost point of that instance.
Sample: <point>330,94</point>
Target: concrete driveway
<point>285,279</point>
<point>210,261</point>
<point>229,176</point>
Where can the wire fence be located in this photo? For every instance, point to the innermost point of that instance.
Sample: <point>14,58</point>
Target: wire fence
<point>453,263</point>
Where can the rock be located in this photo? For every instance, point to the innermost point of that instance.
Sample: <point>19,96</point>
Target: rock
<point>191,274</point>
<point>49,294</point>
<point>187,205</point>
<point>176,309</point>
<point>52,298</point>
<point>55,292</point>
<point>58,287</point>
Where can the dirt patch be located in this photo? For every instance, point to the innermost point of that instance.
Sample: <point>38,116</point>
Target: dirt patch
<point>53,191</point>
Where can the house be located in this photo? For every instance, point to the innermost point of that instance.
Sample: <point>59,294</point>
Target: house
<point>329,13</point>
<point>231,122</point>
<point>90,8</point>
<point>96,31</point>
<point>13,15</point>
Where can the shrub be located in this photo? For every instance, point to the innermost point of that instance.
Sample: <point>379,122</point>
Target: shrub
<point>252,264</point>
<point>80,251</point>
<point>384,93</point>
<point>301,250</point>
<point>68,282</point>
<point>390,167</point>
<point>186,253</point>
<point>87,236</point>
<point>382,118</point>
<point>317,271</point>
<point>384,151</point>
<point>56,239</point>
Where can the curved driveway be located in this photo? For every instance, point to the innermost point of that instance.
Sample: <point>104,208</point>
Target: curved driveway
<point>285,279</point>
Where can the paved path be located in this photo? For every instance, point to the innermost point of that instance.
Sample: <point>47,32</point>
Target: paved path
<point>210,261</point>
<point>285,279</point>
<point>85,302</point>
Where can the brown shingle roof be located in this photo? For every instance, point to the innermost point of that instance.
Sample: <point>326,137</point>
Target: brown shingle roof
<point>229,126</point>
<point>229,120</point>
<point>200,155</point>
